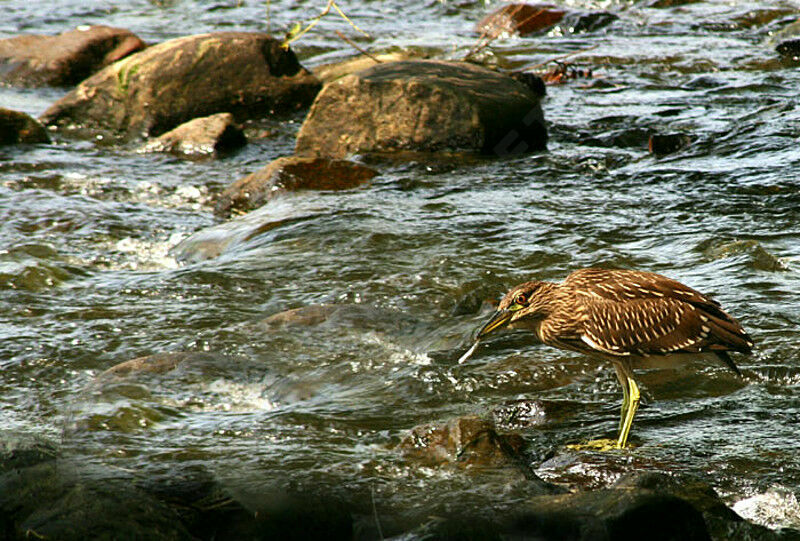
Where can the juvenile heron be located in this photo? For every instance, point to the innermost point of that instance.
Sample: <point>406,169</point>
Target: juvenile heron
<point>623,316</point>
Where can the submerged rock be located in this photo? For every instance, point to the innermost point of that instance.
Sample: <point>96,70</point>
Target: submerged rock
<point>206,136</point>
<point>426,106</point>
<point>65,59</point>
<point>290,173</point>
<point>17,127</point>
<point>356,316</point>
<point>158,363</point>
<point>153,91</point>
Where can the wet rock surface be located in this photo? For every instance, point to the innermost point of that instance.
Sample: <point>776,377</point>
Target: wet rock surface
<point>667,143</point>
<point>17,127</point>
<point>45,497</point>
<point>151,92</point>
<point>200,137</point>
<point>356,316</point>
<point>290,174</point>
<point>467,441</point>
<point>425,106</point>
<point>523,19</point>
<point>65,59</point>
<point>520,19</point>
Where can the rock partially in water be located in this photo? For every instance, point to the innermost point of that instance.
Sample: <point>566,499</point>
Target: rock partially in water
<point>290,173</point>
<point>153,91</point>
<point>425,106</point>
<point>587,21</point>
<point>330,72</point>
<point>65,59</point>
<point>158,363</point>
<point>530,413</point>
<point>200,137</point>
<point>520,19</point>
<point>466,441</point>
<point>611,514</point>
<point>356,316</point>
<point>54,499</point>
<point>46,496</point>
<point>17,127</point>
<point>759,258</point>
<point>667,143</point>
<point>789,50</point>
<point>722,522</point>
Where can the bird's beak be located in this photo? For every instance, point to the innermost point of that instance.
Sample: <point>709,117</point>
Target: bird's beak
<point>499,320</point>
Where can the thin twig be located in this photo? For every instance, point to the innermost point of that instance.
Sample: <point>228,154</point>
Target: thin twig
<point>315,20</point>
<point>358,48</point>
<point>375,512</point>
<point>481,46</point>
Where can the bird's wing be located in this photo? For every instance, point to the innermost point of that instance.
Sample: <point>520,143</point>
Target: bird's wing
<point>625,285</point>
<point>659,326</point>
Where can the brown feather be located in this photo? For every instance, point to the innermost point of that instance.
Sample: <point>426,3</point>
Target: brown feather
<point>625,313</point>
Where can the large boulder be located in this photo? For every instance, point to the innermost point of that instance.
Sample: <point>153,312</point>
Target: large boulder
<point>151,92</point>
<point>426,106</point>
<point>290,173</point>
<point>17,127</point>
<point>65,59</point>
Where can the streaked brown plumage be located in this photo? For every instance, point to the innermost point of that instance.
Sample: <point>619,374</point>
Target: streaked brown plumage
<point>623,316</point>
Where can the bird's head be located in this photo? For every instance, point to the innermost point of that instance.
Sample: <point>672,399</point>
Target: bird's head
<point>523,304</point>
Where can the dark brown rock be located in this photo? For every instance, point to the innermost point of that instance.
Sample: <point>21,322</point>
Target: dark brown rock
<point>789,49</point>
<point>520,19</point>
<point>611,514</point>
<point>425,106</point>
<point>65,59</point>
<point>291,173</point>
<point>17,127</point>
<point>153,91</point>
<point>667,143</point>
<point>206,136</point>
<point>468,441</point>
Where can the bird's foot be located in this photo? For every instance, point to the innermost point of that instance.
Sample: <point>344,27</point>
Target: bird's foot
<point>602,445</point>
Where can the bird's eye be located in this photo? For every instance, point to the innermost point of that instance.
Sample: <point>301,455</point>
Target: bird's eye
<point>520,299</point>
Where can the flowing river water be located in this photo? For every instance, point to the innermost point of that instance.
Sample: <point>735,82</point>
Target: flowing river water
<point>88,279</point>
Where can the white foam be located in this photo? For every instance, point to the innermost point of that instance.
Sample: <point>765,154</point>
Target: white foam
<point>776,508</point>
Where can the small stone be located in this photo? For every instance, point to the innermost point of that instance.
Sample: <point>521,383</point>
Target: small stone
<point>789,49</point>
<point>17,127</point>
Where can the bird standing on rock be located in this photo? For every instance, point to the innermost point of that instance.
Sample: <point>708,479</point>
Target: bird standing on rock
<point>622,316</point>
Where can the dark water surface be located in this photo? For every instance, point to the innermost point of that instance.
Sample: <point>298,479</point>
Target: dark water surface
<point>87,279</point>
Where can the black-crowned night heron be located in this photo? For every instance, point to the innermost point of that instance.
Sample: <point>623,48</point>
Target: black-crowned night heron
<point>622,316</point>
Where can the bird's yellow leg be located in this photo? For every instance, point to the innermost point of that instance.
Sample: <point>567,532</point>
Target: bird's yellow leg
<point>626,395</point>
<point>630,403</point>
<point>633,405</point>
